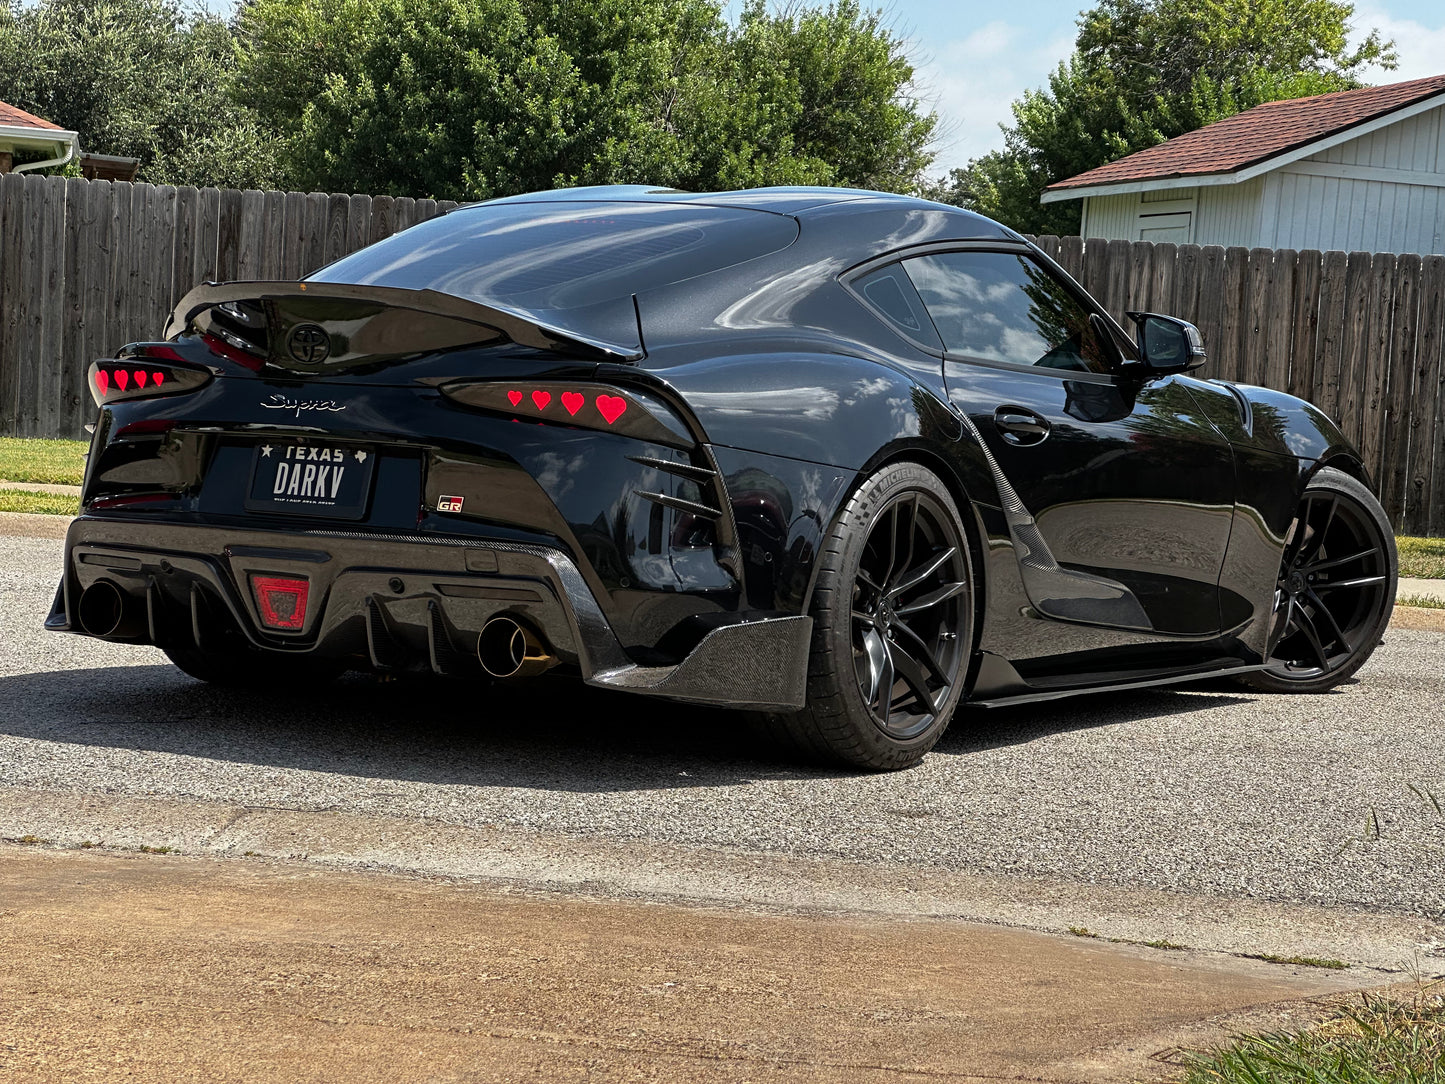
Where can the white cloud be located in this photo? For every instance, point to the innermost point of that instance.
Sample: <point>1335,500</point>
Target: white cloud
<point>1421,48</point>
<point>972,82</point>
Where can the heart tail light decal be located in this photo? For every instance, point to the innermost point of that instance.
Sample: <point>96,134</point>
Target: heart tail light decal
<point>514,397</point>
<point>611,407</point>
<point>112,380</point>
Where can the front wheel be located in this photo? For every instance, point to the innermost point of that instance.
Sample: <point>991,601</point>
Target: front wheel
<point>893,625</point>
<point>1335,591</point>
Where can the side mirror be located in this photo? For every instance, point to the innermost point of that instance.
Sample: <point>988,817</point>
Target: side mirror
<point>1168,345</point>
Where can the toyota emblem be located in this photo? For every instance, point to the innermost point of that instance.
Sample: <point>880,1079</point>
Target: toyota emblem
<point>309,344</point>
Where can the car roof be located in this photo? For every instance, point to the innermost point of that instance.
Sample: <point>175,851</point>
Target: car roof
<point>785,200</point>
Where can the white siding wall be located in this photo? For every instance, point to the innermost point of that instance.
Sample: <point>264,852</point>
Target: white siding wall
<point>1112,217</point>
<point>1370,211</point>
<point>1229,214</point>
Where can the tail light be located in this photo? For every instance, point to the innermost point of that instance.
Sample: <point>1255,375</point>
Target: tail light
<point>281,601</point>
<point>151,372</point>
<point>590,406</point>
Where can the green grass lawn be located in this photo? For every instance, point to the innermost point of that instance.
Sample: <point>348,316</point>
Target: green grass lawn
<point>55,462</point>
<point>1377,1041</point>
<point>49,504</point>
<point>1422,557</point>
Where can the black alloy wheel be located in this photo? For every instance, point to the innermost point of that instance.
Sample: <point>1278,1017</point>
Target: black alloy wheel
<point>1335,591</point>
<point>893,625</point>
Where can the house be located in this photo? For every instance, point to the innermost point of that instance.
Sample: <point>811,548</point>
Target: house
<point>1355,170</point>
<point>22,132</point>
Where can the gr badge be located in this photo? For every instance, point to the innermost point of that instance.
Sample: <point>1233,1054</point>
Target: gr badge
<point>449,504</point>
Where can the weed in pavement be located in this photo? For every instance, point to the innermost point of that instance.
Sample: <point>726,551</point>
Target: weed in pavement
<point>1379,1041</point>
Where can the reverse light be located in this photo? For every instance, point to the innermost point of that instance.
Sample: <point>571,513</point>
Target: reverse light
<point>281,601</point>
<point>159,371</point>
<point>632,413</point>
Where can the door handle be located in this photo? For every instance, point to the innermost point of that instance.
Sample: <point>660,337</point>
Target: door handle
<point>1020,426</point>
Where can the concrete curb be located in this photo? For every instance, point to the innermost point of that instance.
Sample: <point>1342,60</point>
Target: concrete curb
<point>519,859</point>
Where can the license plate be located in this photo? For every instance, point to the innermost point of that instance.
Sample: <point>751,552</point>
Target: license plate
<point>311,480</point>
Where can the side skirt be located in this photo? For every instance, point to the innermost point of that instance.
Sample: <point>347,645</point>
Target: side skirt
<point>1108,683</point>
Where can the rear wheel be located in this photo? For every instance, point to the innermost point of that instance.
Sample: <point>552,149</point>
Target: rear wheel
<point>249,667</point>
<point>893,623</point>
<point>1336,588</point>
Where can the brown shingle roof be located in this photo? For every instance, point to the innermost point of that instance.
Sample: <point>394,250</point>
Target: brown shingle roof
<point>13,117</point>
<point>1258,134</point>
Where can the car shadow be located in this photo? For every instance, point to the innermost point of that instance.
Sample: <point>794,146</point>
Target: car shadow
<point>555,735</point>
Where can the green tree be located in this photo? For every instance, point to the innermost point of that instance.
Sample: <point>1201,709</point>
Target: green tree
<point>1144,71</point>
<point>141,78</point>
<point>470,99</point>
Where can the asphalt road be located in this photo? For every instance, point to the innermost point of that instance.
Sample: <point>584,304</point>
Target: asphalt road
<point>1209,790</point>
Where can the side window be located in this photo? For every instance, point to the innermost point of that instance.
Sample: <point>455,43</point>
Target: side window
<point>890,293</point>
<point>1002,307</point>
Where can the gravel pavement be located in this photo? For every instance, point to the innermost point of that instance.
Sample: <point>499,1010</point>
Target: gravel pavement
<point>1209,789</point>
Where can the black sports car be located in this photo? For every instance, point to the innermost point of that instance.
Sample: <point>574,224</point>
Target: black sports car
<point>843,459</point>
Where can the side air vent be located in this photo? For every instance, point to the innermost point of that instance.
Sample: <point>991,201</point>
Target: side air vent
<point>702,482</point>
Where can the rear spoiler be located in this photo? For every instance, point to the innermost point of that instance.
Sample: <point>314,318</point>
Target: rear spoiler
<point>263,318</point>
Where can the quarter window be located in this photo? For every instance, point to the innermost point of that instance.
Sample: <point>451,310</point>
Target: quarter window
<point>1002,307</point>
<point>891,294</point>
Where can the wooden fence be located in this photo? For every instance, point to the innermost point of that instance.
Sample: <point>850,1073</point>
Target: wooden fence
<point>1361,335</point>
<point>86,266</point>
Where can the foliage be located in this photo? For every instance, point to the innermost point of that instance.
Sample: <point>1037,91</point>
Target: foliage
<point>469,99</point>
<point>43,504</point>
<point>1380,1041</point>
<point>53,462</point>
<point>144,79</point>
<point>1144,71</point>
<point>1422,557</point>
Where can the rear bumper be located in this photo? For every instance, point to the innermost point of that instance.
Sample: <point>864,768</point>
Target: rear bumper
<point>395,602</point>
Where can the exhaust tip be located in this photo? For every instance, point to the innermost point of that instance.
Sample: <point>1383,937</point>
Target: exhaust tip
<point>105,612</point>
<point>508,649</point>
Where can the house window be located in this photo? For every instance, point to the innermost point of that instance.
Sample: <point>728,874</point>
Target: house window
<point>1167,215</point>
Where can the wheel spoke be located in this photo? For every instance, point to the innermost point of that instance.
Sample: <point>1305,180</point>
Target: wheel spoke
<point>1362,581</point>
<point>920,651</point>
<point>1306,626</point>
<point>916,576</point>
<point>880,670</point>
<point>1335,630</point>
<point>1318,541</point>
<point>1301,529</point>
<point>1336,562</point>
<point>866,619</point>
<point>912,673</point>
<point>892,542</point>
<point>933,598</point>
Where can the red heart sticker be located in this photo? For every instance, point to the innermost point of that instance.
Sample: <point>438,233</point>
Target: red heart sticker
<point>611,407</point>
<point>541,398</point>
<point>156,378</point>
<point>573,401</point>
<point>140,378</point>
<point>514,397</point>
<point>122,378</point>
<point>102,380</point>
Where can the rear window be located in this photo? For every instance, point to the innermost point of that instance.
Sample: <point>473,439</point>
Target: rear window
<point>563,255</point>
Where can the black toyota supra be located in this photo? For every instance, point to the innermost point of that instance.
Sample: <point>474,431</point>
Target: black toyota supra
<point>845,460</point>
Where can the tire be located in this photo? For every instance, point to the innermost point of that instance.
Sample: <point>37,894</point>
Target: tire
<point>1335,591</point>
<point>892,626</point>
<point>248,667</point>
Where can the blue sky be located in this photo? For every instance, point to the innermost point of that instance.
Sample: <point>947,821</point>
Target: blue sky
<point>975,58</point>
